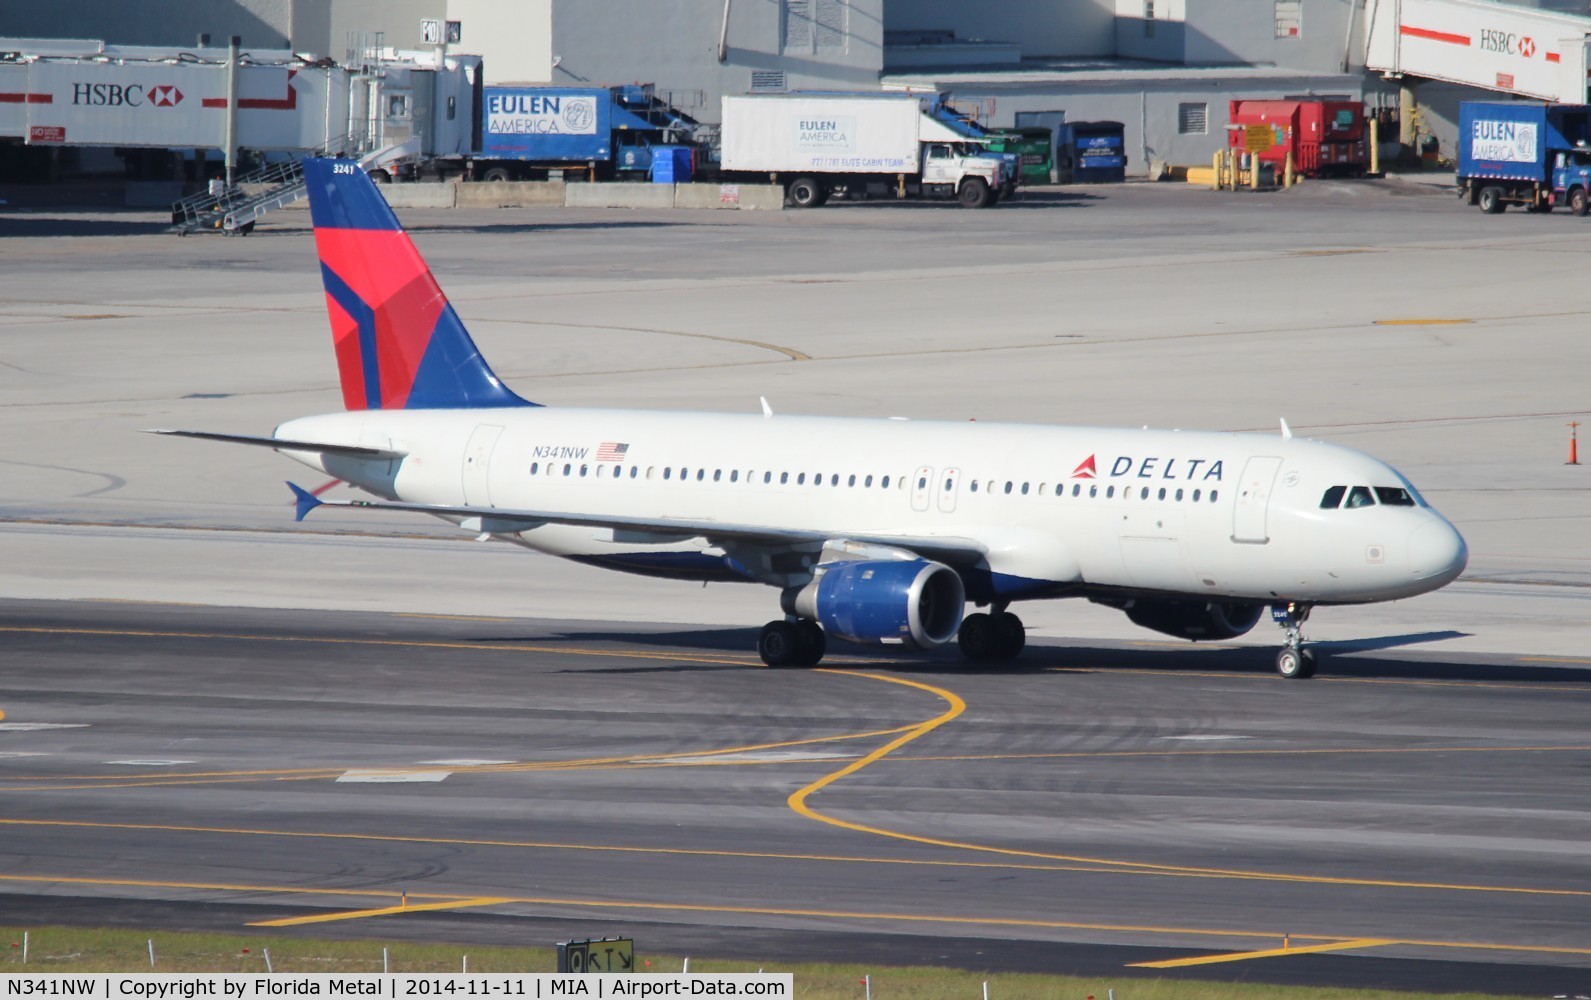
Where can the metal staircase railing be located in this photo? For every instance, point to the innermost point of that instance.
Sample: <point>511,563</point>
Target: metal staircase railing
<point>233,209</point>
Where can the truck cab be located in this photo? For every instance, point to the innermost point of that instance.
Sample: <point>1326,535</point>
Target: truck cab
<point>1571,179</point>
<point>960,169</point>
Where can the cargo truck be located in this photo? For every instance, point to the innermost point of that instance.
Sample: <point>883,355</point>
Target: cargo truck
<point>606,131</point>
<point>853,146</point>
<point>1533,155</point>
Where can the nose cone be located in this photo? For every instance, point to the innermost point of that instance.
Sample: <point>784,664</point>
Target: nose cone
<point>1437,553</point>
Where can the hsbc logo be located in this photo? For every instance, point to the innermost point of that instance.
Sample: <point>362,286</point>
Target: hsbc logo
<point>1154,467</point>
<point>116,95</point>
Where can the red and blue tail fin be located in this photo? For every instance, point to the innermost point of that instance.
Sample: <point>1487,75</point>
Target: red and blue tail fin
<point>399,343</point>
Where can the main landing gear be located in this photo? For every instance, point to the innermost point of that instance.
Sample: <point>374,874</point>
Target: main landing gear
<point>1294,661</point>
<point>998,635</point>
<point>799,643</point>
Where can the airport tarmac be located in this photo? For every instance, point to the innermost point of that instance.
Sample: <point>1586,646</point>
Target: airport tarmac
<point>1424,789</point>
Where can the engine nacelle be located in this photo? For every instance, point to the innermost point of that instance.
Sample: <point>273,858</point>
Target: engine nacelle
<point>911,602</point>
<point>1196,620</point>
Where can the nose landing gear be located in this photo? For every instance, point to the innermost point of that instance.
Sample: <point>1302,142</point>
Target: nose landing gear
<point>1294,661</point>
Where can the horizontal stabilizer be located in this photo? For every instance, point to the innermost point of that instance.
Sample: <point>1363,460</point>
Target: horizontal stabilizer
<point>282,444</point>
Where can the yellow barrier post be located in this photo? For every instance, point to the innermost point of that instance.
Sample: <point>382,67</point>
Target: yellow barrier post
<point>1288,177</point>
<point>1215,170</point>
<point>1375,146</point>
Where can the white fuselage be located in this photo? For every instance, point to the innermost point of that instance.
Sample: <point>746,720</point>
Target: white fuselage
<point>1054,510</point>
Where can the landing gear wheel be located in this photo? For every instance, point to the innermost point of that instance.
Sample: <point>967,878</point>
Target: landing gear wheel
<point>1491,200</point>
<point>1579,201</point>
<point>976,637</point>
<point>1295,664</point>
<point>779,645</point>
<point>812,642</point>
<point>1011,636</point>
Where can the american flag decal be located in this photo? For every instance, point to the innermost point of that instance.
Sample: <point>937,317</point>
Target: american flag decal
<point>612,451</point>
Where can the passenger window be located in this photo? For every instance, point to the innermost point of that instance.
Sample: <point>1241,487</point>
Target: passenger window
<point>1110,491</point>
<point>566,468</point>
<point>1060,489</point>
<point>868,481</point>
<point>635,470</point>
<point>784,478</point>
<point>1024,489</point>
<point>668,471</point>
<point>1214,494</point>
<point>851,481</point>
<point>582,472</point>
<point>734,475</point>
<point>1179,496</point>
<point>1008,485</point>
<point>1143,494</point>
<point>1162,493</point>
<point>1093,491</point>
<point>1195,496</point>
<point>974,487</point>
<point>801,479</point>
<point>1360,496</point>
<point>885,483</point>
<point>1394,496</point>
<point>534,466</point>
<point>1332,498</point>
<point>834,479</point>
<point>1077,489</point>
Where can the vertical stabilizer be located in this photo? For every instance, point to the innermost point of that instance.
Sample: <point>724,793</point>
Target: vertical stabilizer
<point>399,343</point>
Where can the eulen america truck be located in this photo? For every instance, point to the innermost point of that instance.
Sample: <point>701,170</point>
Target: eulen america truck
<point>1535,155</point>
<point>606,131</point>
<point>822,146</point>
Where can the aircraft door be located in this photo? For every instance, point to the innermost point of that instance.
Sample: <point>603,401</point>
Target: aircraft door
<point>1253,497</point>
<point>922,487</point>
<point>478,465</point>
<point>949,482</point>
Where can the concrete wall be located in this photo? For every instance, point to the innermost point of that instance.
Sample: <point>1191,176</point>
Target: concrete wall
<point>675,46</point>
<point>513,39</point>
<point>527,194</point>
<point>1065,28</point>
<point>262,23</point>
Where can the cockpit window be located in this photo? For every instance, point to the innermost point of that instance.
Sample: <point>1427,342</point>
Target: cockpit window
<point>1394,496</point>
<point>1333,498</point>
<point>1360,496</point>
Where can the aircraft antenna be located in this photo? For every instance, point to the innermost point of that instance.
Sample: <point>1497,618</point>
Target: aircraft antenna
<point>767,410</point>
<point>1287,432</point>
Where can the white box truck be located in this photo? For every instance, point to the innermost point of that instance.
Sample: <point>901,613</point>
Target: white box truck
<point>853,145</point>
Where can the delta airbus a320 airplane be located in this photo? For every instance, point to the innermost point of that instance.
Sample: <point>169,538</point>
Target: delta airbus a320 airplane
<point>873,531</point>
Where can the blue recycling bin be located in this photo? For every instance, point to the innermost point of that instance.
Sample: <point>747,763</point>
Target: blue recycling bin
<point>671,164</point>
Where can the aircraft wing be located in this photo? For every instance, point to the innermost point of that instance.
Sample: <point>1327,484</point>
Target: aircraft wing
<point>282,444</point>
<point>655,530</point>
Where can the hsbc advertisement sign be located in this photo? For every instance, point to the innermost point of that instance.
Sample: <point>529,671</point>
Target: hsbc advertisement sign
<point>172,105</point>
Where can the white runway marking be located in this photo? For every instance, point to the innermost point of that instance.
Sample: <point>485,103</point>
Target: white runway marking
<point>33,727</point>
<point>151,762</point>
<point>1206,738</point>
<point>752,757</point>
<point>375,776</point>
<point>465,762</point>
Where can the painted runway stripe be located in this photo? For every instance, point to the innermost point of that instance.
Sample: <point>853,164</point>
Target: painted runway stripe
<point>1247,956</point>
<point>384,911</point>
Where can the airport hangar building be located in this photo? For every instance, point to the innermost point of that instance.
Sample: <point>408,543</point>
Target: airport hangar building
<point>1165,69</point>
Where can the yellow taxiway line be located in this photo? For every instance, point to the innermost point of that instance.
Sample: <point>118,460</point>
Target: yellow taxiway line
<point>1245,956</point>
<point>384,911</point>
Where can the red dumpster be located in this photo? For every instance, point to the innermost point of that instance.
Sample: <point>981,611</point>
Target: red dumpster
<point>1326,135</point>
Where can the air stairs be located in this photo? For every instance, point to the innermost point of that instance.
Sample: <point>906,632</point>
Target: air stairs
<point>233,210</point>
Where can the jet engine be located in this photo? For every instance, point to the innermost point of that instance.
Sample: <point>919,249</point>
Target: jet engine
<point>1196,620</point>
<point>911,602</point>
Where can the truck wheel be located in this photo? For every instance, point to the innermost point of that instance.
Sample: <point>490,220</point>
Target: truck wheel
<point>974,193</point>
<point>380,177</point>
<point>495,175</point>
<point>805,192</point>
<point>1491,200</point>
<point>1579,201</point>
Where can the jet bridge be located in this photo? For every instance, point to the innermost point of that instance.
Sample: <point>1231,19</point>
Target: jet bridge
<point>1494,46</point>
